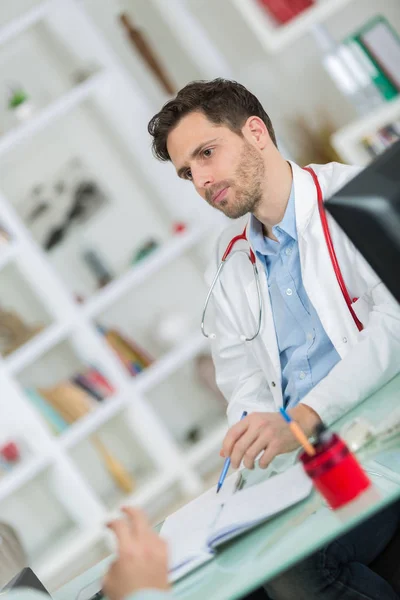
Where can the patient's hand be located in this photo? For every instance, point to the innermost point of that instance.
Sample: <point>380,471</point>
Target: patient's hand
<point>142,561</point>
<point>266,432</point>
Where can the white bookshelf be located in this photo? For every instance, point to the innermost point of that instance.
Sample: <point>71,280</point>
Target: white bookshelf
<point>276,38</point>
<point>110,104</point>
<point>53,112</point>
<point>26,20</point>
<point>348,140</point>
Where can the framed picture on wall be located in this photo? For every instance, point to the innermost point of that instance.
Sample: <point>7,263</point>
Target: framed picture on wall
<point>51,209</point>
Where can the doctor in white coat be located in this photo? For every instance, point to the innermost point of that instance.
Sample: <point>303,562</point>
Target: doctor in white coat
<point>314,353</point>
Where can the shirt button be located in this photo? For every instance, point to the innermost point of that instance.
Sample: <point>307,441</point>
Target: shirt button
<point>288,251</point>
<point>273,383</point>
<point>345,340</point>
<point>310,337</point>
<point>289,292</point>
<point>302,375</point>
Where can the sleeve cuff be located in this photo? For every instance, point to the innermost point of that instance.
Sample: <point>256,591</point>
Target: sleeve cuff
<point>150,595</point>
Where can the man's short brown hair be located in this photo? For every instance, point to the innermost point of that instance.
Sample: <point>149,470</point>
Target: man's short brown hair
<point>222,101</point>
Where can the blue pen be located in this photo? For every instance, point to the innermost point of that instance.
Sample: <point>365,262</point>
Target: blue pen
<point>227,463</point>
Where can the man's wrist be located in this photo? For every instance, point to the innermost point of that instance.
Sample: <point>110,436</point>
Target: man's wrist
<point>306,417</point>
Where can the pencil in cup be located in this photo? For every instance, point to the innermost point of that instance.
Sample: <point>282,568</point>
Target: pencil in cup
<point>298,433</point>
<point>227,463</point>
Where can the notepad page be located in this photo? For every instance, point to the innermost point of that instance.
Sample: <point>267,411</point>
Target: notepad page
<point>259,502</point>
<point>187,529</point>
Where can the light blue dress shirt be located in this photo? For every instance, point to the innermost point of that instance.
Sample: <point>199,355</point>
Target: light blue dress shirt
<point>306,352</point>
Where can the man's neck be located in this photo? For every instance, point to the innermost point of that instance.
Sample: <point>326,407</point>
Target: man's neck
<point>271,210</point>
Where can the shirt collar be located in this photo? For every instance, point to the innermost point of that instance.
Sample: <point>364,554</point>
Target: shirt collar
<point>288,225</point>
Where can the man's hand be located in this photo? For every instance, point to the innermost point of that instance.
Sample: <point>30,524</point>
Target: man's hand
<point>266,431</point>
<point>142,561</point>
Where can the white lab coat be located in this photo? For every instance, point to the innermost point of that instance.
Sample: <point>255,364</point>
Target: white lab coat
<point>249,373</point>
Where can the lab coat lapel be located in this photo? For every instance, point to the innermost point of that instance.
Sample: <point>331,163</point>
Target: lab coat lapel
<point>318,275</point>
<point>266,340</point>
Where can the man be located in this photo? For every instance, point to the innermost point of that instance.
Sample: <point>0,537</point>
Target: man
<point>309,355</point>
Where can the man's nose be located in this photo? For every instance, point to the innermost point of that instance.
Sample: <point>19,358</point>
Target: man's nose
<point>203,179</point>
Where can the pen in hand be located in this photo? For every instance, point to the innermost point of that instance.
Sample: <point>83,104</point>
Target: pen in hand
<point>227,463</point>
<point>298,433</point>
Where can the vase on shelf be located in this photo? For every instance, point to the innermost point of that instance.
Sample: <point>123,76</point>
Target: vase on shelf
<point>19,104</point>
<point>283,11</point>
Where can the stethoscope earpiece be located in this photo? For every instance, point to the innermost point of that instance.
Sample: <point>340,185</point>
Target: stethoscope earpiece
<point>242,338</point>
<point>212,336</point>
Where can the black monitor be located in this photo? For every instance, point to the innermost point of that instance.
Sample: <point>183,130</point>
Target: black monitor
<point>368,210</point>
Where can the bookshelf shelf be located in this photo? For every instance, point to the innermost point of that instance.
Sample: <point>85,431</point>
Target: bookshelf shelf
<point>54,111</point>
<point>210,444</point>
<point>9,253</point>
<point>139,273</point>
<point>22,474</point>
<point>169,363</point>
<point>156,485</point>
<point>274,38</point>
<point>142,383</point>
<point>91,422</point>
<point>347,140</point>
<point>34,348</point>
<point>20,24</point>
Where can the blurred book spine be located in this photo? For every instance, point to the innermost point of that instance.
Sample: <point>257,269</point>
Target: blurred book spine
<point>383,44</point>
<point>376,84</point>
<point>52,417</point>
<point>378,141</point>
<point>132,356</point>
<point>69,400</point>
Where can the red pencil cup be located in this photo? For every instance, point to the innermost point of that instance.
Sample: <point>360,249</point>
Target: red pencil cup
<point>335,472</point>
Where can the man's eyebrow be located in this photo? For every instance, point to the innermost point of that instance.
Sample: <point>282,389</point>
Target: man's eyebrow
<point>195,152</point>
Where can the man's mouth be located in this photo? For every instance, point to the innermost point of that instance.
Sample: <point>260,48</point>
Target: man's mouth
<point>219,196</point>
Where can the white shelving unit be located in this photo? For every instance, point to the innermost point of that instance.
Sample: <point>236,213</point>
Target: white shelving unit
<point>55,473</point>
<point>276,38</point>
<point>348,140</point>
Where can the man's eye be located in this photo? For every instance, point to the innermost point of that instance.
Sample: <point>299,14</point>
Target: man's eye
<point>188,175</point>
<point>207,152</point>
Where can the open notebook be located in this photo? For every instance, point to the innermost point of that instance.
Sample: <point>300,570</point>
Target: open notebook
<point>197,529</point>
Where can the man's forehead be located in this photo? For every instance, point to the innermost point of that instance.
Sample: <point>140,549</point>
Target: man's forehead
<point>192,131</point>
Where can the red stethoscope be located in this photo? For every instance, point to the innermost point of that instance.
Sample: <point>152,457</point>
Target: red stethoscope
<point>228,255</point>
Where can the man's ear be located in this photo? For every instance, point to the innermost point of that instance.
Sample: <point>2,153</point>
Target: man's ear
<point>256,132</point>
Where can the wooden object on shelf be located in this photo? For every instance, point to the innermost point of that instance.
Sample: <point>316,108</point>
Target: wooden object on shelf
<point>118,472</point>
<point>69,400</point>
<point>140,43</point>
<point>73,403</point>
<point>314,142</point>
<point>14,332</point>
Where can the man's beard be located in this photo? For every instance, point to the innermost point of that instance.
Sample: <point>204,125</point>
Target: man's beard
<point>246,185</point>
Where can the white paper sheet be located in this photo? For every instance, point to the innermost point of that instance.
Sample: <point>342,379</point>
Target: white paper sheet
<point>187,529</point>
<point>259,502</point>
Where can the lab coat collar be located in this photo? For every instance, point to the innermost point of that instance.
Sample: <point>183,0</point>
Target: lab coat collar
<point>305,200</point>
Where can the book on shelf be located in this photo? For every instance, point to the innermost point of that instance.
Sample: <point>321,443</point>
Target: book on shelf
<point>94,383</point>
<point>132,356</point>
<point>383,43</point>
<point>61,404</point>
<point>99,381</point>
<point>52,417</point>
<point>368,67</point>
<point>377,142</point>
